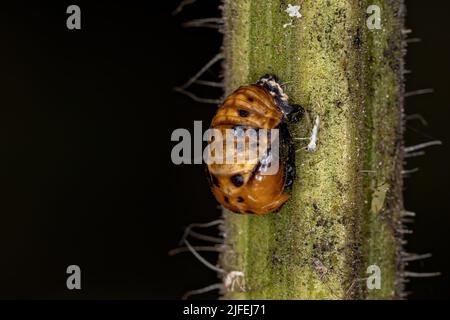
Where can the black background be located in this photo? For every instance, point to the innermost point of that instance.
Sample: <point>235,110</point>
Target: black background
<point>85,126</point>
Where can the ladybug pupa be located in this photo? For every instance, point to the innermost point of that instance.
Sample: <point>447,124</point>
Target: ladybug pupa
<point>244,187</point>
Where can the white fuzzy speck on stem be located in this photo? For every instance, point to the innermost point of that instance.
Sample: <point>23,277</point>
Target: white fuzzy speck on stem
<point>287,24</point>
<point>293,11</point>
<point>312,146</point>
<point>233,278</point>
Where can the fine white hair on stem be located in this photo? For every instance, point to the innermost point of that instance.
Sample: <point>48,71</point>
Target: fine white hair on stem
<point>408,214</point>
<point>203,237</point>
<point>201,259</point>
<point>418,92</point>
<point>417,116</point>
<point>422,146</point>
<point>409,274</point>
<point>181,6</point>
<point>415,257</point>
<point>405,231</point>
<point>414,154</point>
<point>216,286</point>
<point>413,40</point>
<point>189,228</point>
<point>408,172</point>
<point>195,79</point>
<point>210,83</point>
<point>406,31</point>
<point>407,220</point>
<point>213,23</point>
<point>208,65</point>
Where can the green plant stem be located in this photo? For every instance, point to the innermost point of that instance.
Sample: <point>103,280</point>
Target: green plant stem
<point>345,209</point>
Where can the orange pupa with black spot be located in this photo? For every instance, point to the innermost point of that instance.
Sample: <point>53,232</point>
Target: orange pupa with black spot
<point>245,187</point>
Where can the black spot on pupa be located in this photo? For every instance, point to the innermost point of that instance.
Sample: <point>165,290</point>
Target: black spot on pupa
<point>240,199</point>
<point>243,113</point>
<point>214,180</point>
<point>249,211</point>
<point>250,99</point>
<point>227,200</point>
<point>237,180</point>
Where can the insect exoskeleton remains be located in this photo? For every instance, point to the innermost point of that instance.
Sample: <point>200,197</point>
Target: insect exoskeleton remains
<point>247,187</point>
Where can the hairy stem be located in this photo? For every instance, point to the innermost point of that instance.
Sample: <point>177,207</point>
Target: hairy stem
<point>345,209</point>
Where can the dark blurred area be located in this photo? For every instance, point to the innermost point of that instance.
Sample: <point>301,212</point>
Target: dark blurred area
<point>426,191</point>
<point>85,126</point>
